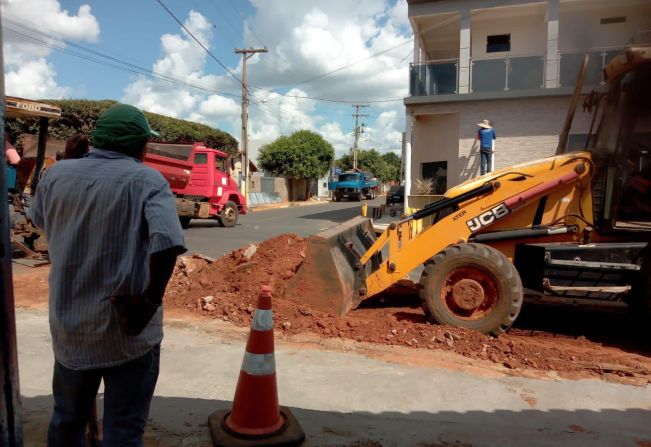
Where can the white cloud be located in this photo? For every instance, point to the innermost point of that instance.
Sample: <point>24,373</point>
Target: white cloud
<point>184,60</point>
<point>27,71</point>
<point>305,39</point>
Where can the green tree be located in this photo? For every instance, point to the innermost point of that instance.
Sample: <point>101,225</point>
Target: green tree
<point>304,154</point>
<point>79,116</point>
<point>384,168</point>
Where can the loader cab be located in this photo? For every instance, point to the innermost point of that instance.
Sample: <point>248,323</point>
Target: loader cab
<point>621,151</point>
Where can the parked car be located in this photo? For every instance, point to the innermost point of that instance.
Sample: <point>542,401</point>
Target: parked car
<point>396,195</point>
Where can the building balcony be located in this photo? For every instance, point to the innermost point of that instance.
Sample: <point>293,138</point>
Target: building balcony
<point>508,73</point>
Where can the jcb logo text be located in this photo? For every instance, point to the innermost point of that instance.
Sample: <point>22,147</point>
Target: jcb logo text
<point>488,217</point>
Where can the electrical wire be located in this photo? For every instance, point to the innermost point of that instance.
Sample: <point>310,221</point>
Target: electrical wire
<point>117,63</point>
<point>237,11</point>
<point>224,17</point>
<point>198,41</point>
<point>212,25</point>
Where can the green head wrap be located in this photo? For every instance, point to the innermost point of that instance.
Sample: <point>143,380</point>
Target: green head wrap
<point>122,128</point>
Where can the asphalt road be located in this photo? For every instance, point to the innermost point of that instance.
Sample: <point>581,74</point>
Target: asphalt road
<point>207,237</point>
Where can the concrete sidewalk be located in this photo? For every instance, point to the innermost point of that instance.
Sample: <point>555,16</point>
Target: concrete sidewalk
<point>346,399</point>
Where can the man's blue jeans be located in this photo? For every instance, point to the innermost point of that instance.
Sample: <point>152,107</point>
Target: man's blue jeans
<point>128,390</point>
<point>485,161</point>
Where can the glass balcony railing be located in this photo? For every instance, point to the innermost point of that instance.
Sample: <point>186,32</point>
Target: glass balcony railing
<point>507,73</point>
<point>570,63</point>
<point>513,72</point>
<point>433,78</point>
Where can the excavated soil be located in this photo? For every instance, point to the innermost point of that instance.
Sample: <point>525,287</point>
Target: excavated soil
<point>573,342</point>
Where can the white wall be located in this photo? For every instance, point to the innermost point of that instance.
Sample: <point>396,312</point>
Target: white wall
<point>580,28</point>
<point>526,129</point>
<point>528,34</point>
<point>435,138</point>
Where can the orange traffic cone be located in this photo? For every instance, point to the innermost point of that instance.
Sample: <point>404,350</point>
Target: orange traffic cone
<point>256,419</point>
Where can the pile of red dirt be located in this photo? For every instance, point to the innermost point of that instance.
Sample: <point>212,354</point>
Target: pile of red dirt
<point>227,288</point>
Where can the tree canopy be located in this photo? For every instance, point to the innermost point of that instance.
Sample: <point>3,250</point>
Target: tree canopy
<point>304,154</point>
<point>385,167</point>
<point>79,116</point>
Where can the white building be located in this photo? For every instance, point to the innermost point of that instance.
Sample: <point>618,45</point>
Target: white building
<point>513,62</point>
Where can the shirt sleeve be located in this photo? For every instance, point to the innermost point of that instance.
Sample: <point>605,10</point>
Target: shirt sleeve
<point>494,136</point>
<point>36,212</point>
<point>162,220</point>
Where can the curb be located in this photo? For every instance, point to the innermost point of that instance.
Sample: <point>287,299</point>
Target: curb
<point>288,205</point>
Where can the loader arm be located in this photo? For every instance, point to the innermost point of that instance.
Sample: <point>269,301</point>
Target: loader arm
<point>344,265</point>
<point>505,197</point>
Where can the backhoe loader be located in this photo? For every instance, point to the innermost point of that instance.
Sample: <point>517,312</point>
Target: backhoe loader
<point>571,227</point>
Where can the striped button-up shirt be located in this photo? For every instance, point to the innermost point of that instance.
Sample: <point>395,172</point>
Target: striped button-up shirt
<point>103,216</point>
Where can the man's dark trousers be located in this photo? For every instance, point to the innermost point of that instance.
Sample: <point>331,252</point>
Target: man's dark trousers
<point>485,160</point>
<point>128,390</point>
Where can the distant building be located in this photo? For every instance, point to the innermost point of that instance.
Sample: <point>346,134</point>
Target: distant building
<point>515,64</point>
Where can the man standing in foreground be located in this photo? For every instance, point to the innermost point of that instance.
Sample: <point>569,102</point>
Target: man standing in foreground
<point>486,137</point>
<point>114,236</point>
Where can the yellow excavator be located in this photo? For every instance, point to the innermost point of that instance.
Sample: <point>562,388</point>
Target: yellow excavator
<point>572,227</point>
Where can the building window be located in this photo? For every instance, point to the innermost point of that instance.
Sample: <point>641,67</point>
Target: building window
<point>611,20</point>
<point>438,172</point>
<point>498,42</point>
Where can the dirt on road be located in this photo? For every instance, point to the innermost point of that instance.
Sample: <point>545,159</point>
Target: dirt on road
<point>571,342</point>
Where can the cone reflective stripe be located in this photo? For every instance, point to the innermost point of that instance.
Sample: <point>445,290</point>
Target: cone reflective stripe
<point>259,364</point>
<point>256,418</point>
<point>255,406</point>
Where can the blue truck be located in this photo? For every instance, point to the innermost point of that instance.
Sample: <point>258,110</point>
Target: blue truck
<point>353,185</point>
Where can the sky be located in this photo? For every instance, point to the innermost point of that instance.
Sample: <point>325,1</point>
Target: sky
<point>323,56</point>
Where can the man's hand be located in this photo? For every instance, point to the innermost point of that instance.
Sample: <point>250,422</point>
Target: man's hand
<point>134,312</point>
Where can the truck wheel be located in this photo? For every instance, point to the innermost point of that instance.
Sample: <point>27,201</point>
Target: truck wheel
<point>185,221</point>
<point>228,215</point>
<point>473,286</point>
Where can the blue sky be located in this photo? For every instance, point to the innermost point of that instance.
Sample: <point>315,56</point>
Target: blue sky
<point>305,40</point>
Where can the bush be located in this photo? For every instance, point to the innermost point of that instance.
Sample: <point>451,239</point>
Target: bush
<point>79,116</point>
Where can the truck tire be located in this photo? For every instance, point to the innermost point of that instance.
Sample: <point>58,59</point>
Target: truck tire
<point>185,221</point>
<point>228,215</point>
<point>473,286</point>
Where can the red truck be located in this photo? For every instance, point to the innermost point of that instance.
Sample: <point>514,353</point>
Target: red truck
<point>198,176</point>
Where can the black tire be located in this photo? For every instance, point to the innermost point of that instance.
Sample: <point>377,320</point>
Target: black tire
<point>185,221</point>
<point>337,198</point>
<point>489,277</point>
<point>228,215</point>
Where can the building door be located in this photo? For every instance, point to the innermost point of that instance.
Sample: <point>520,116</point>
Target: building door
<point>438,172</point>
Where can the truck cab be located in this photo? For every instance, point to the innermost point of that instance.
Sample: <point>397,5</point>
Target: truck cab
<point>199,178</point>
<point>355,185</point>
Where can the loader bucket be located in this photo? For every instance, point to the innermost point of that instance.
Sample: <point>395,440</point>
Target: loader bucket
<point>331,279</point>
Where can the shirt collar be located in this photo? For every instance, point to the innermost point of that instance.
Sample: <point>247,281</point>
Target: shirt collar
<point>105,154</point>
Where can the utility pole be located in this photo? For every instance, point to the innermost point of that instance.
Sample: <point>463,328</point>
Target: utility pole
<point>358,130</point>
<point>246,55</point>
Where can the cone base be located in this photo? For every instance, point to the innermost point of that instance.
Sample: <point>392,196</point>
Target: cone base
<point>291,435</point>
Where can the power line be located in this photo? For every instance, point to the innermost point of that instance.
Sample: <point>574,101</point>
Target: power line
<point>223,16</point>
<point>237,11</point>
<point>113,62</point>
<point>343,68</point>
<point>215,27</point>
<point>198,41</point>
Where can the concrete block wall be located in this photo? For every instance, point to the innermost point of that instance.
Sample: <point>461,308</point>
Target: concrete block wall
<point>526,129</point>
